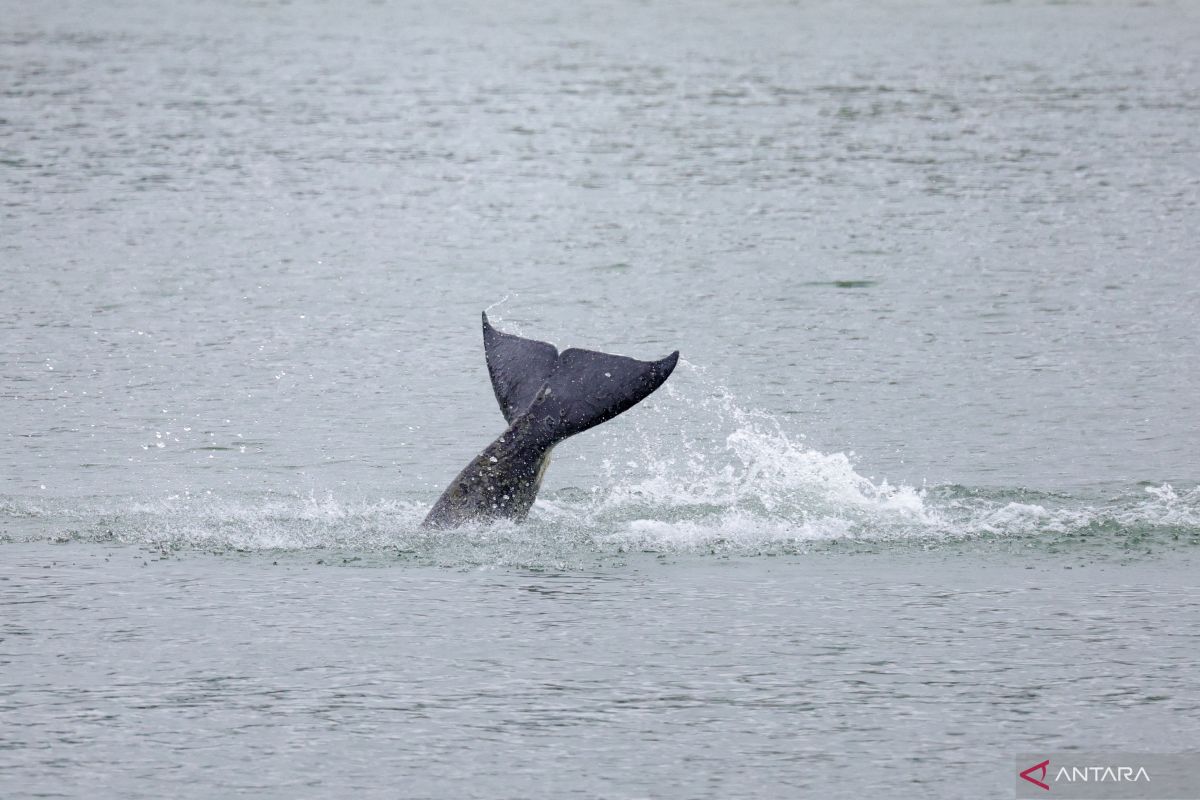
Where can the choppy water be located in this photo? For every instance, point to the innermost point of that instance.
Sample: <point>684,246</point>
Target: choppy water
<point>922,495</point>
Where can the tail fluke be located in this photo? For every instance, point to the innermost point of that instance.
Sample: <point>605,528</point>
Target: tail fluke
<point>566,392</point>
<point>518,367</point>
<point>589,387</point>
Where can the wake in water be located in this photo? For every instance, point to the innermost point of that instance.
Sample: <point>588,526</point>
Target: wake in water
<point>718,478</point>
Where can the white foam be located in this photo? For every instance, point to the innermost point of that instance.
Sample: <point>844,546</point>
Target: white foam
<point>734,475</point>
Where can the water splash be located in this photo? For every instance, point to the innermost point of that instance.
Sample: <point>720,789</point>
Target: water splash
<point>734,479</point>
<point>716,478</point>
<point>735,475</point>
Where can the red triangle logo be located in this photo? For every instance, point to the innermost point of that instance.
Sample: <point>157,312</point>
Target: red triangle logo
<point>1027,774</point>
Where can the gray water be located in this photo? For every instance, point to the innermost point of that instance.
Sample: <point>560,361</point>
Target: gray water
<point>923,493</point>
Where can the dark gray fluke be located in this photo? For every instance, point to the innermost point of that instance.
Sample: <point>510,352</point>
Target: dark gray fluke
<point>546,397</point>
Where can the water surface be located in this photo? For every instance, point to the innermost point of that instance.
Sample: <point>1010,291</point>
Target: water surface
<point>922,494</point>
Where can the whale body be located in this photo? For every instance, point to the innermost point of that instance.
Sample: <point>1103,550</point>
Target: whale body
<point>545,396</point>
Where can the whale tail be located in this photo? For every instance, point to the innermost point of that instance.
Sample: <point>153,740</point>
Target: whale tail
<point>567,392</point>
<point>546,396</point>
